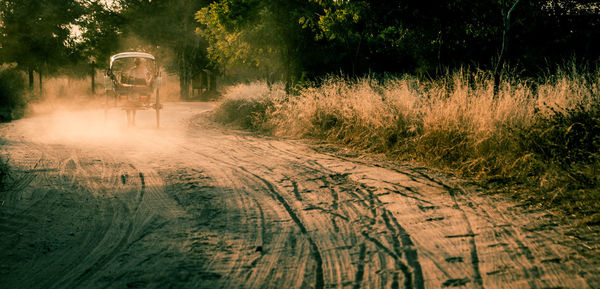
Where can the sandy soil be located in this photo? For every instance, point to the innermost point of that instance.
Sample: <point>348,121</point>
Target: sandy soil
<point>98,205</point>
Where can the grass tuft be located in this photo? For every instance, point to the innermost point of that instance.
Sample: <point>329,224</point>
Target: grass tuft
<point>247,105</point>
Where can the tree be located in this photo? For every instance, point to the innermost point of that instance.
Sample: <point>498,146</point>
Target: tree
<point>35,34</point>
<point>167,28</point>
<point>252,35</point>
<point>369,35</point>
<point>100,31</point>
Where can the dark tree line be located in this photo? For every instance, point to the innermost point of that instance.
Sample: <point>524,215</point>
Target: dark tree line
<point>299,39</point>
<point>35,34</point>
<point>358,37</point>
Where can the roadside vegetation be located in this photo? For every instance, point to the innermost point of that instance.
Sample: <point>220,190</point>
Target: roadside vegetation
<point>4,174</point>
<point>13,98</point>
<point>538,140</point>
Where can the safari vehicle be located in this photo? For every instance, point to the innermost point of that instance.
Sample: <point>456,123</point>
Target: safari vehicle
<point>132,83</point>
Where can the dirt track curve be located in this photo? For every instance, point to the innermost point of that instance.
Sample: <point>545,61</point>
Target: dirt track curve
<point>95,205</point>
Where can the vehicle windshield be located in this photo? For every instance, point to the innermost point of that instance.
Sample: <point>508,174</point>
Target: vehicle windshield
<point>131,69</point>
<point>126,64</point>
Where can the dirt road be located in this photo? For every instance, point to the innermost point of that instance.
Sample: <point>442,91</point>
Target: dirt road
<point>191,205</point>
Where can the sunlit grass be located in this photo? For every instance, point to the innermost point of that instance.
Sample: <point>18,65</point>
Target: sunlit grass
<point>540,139</point>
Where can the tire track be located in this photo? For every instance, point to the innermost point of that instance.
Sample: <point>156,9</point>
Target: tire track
<point>402,246</point>
<point>474,256</point>
<point>221,163</point>
<point>406,248</point>
<point>411,256</point>
<point>310,165</point>
<point>319,280</point>
<point>531,266</point>
<point>360,270</point>
<point>413,278</point>
<point>104,252</point>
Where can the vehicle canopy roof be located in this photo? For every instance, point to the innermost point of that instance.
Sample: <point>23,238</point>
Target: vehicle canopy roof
<point>130,55</point>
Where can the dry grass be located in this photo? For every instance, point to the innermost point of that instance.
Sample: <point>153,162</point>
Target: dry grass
<point>540,141</point>
<point>246,105</point>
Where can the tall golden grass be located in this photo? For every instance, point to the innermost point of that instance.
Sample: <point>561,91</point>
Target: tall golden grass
<point>541,139</point>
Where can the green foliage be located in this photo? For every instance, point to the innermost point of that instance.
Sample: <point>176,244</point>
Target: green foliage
<point>223,29</point>
<point>263,37</point>
<point>360,37</point>
<point>299,40</point>
<point>35,34</point>
<point>100,33</point>
<point>12,94</point>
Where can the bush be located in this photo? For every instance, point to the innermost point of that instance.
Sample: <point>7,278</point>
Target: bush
<point>243,113</point>
<point>12,94</point>
<point>5,176</point>
<point>568,136</point>
<point>247,105</point>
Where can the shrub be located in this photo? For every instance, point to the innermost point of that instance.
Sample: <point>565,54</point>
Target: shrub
<point>246,114</point>
<point>5,176</point>
<point>12,94</point>
<point>246,106</point>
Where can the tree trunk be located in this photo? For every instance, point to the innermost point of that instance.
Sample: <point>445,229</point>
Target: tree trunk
<point>93,77</point>
<point>184,82</point>
<point>504,46</point>
<point>30,72</point>
<point>184,71</point>
<point>288,78</point>
<point>40,79</point>
<point>439,68</point>
<point>212,81</point>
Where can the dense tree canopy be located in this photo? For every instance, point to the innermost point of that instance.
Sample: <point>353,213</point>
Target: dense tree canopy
<point>253,35</point>
<point>166,28</point>
<point>362,36</point>
<point>35,34</point>
<point>100,30</point>
<point>297,39</point>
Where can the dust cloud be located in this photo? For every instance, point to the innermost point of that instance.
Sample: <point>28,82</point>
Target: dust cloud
<point>68,113</point>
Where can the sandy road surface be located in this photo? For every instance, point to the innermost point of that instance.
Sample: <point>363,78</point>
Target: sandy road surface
<point>94,205</point>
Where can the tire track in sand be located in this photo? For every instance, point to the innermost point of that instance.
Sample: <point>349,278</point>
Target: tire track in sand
<point>319,280</point>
